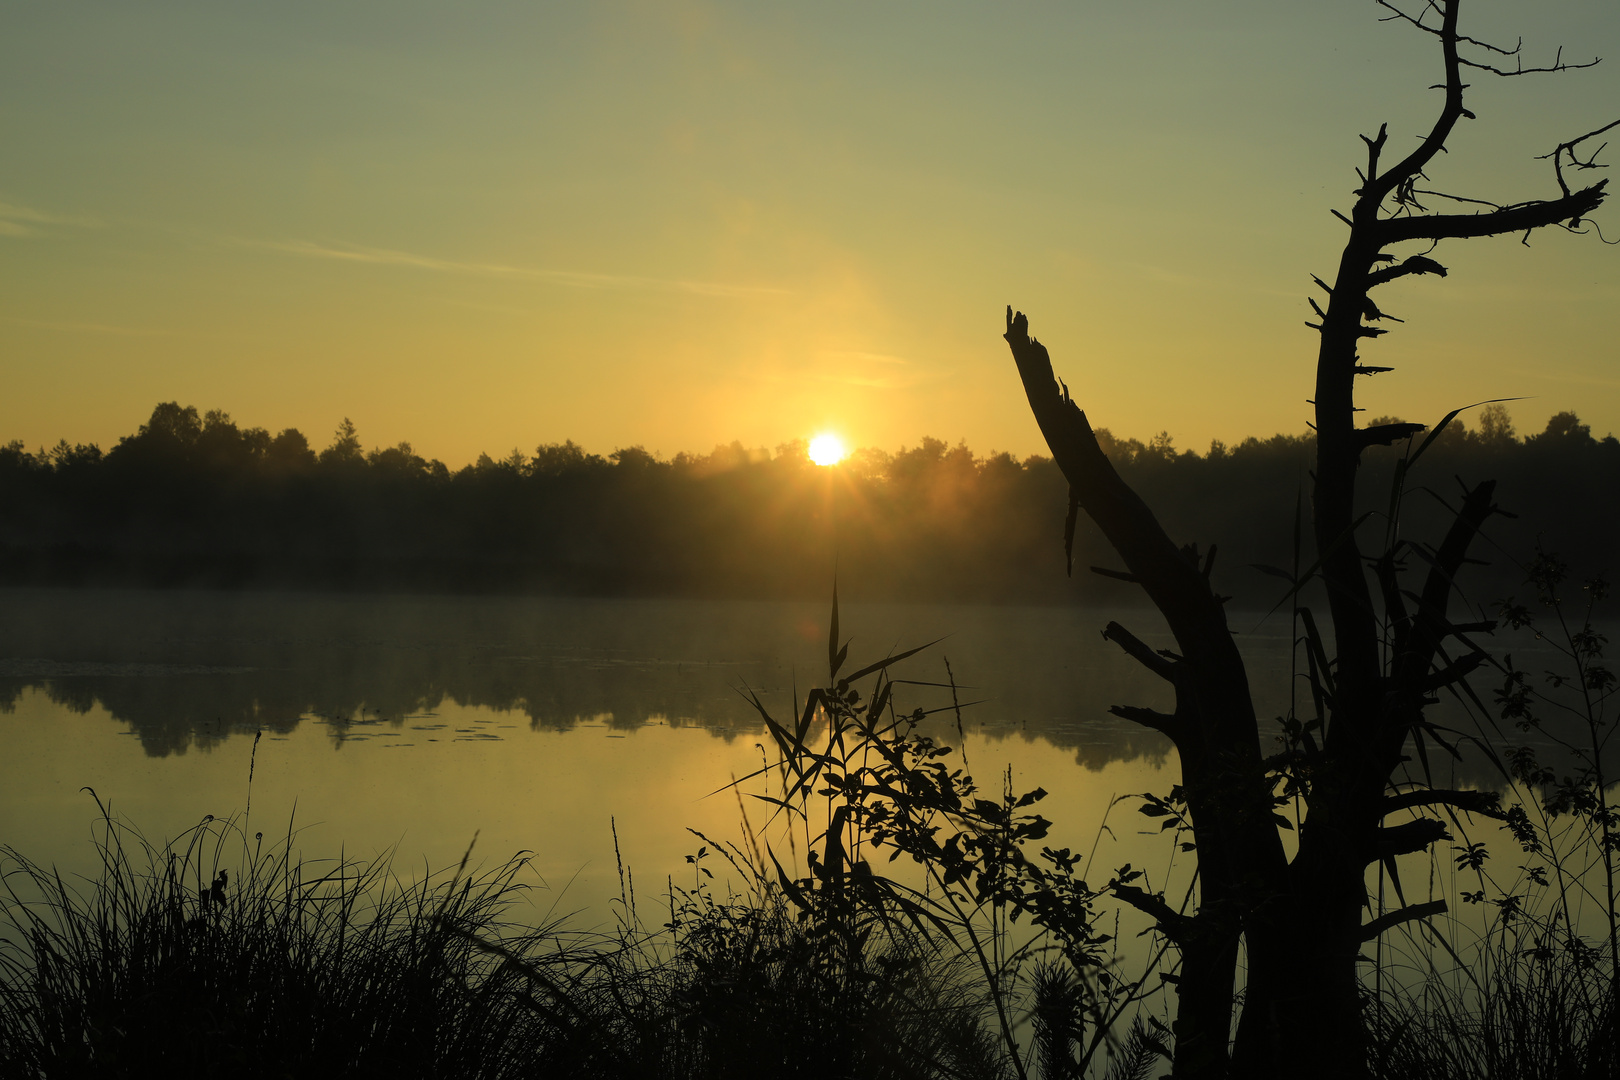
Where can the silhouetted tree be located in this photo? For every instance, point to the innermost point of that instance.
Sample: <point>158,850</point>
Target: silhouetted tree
<point>1563,429</point>
<point>1495,425</point>
<point>1300,919</point>
<point>932,521</point>
<point>345,450</point>
<point>289,452</point>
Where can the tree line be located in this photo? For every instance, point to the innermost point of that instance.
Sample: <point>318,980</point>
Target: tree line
<point>192,499</point>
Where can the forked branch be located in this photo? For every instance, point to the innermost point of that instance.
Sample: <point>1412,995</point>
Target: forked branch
<point>1567,149</point>
<point>1401,177</point>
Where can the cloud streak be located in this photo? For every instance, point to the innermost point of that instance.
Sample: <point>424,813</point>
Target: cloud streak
<point>25,220</point>
<point>569,278</point>
<point>93,328</point>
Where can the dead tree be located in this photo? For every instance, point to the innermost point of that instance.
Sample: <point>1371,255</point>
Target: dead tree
<point>1300,921</point>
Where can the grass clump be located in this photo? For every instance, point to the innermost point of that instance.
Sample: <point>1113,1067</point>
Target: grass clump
<point>1537,1013</point>
<point>1535,996</point>
<point>175,959</point>
<point>169,959</point>
<point>744,987</point>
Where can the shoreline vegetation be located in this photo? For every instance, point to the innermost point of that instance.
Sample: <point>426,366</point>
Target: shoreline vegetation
<point>223,950</point>
<point>192,500</point>
<point>798,951</point>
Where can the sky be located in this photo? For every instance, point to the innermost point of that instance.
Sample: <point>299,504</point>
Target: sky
<point>486,225</point>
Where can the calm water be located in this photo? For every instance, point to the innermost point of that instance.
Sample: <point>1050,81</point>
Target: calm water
<point>411,723</point>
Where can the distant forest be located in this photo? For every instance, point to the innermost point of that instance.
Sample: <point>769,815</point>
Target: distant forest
<point>193,500</point>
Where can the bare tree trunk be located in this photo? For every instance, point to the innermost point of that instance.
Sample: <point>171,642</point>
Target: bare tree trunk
<point>1313,992</point>
<point>1240,855</point>
<point>1301,921</point>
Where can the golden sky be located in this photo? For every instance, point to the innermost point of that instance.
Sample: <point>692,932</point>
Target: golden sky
<point>486,225</point>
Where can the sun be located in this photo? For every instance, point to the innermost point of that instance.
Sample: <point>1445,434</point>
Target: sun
<point>827,449</point>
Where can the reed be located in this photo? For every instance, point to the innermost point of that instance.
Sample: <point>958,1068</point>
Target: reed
<point>213,952</point>
<point>221,952</point>
<point>217,954</point>
<point>1517,1013</point>
<point>1535,994</point>
<point>741,986</point>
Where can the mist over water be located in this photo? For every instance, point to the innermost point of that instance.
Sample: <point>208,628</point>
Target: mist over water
<point>413,723</point>
<point>190,670</point>
<point>419,720</point>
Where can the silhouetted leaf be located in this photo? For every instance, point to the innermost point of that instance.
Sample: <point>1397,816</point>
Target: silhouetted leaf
<point>881,664</point>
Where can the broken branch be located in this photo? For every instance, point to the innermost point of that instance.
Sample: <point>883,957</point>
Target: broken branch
<point>1389,920</point>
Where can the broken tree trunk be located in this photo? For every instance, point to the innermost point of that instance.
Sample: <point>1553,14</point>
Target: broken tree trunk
<point>1213,726</point>
<point>1300,921</point>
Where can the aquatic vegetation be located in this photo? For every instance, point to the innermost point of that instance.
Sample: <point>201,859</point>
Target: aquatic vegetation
<point>789,953</point>
<point>217,953</point>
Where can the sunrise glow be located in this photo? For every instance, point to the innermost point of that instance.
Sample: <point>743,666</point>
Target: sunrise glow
<point>827,449</point>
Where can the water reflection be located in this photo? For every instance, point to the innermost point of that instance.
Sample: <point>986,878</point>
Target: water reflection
<point>413,723</point>
<point>189,670</point>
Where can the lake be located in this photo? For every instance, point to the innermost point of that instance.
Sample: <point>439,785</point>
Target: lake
<point>408,724</point>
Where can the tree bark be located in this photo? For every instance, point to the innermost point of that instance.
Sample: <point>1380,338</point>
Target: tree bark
<point>1300,921</point>
<point>1240,855</point>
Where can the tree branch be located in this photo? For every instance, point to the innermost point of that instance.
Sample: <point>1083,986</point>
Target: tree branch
<point>1511,219</point>
<point>1558,64</point>
<point>1388,434</point>
<point>1417,264</point>
<point>1171,582</point>
<point>1174,925</point>
<point>1163,723</point>
<point>1569,148</point>
<point>1409,837</point>
<point>1389,920</point>
<point>1137,649</point>
<point>1378,188</point>
<point>1473,802</point>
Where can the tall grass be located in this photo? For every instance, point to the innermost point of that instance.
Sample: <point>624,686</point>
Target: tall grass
<point>863,784</point>
<point>217,955</point>
<point>213,953</point>
<point>220,954</point>
<point>741,986</point>
<point>1535,996</point>
<point>1535,1013</point>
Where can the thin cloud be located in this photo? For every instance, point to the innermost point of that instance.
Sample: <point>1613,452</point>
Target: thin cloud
<point>847,367</point>
<point>570,278</point>
<point>870,382</point>
<point>1579,380</point>
<point>26,221</point>
<point>93,328</point>
<point>879,358</point>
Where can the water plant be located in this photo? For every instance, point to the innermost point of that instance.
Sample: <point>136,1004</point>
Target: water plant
<point>864,778</point>
<point>219,952</point>
<point>1535,993</point>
